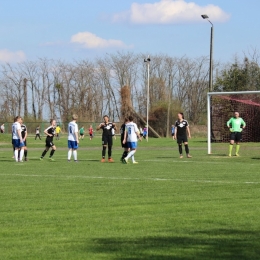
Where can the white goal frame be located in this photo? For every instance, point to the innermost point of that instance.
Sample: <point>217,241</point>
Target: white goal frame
<point>209,105</point>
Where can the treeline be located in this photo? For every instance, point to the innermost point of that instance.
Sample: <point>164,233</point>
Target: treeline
<point>53,88</point>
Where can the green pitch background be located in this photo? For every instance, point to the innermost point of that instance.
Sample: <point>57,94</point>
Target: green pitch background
<point>163,208</point>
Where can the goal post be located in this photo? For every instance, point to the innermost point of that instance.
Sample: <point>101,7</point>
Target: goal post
<point>223,94</point>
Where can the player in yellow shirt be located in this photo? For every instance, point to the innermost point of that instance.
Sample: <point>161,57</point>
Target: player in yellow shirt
<point>58,132</point>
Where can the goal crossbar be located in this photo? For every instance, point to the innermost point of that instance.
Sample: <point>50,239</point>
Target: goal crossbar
<point>209,108</point>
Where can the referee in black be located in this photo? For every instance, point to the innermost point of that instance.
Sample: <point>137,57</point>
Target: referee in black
<point>107,138</point>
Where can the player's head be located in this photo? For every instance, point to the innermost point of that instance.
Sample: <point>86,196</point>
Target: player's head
<point>180,116</point>
<point>106,118</point>
<point>236,114</point>
<point>130,118</point>
<point>75,117</point>
<point>17,119</point>
<point>53,122</point>
<point>126,120</point>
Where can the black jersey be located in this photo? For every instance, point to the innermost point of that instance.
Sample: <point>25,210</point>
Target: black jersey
<point>107,128</point>
<point>51,131</point>
<point>23,130</point>
<point>122,131</point>
<point>181,127</point>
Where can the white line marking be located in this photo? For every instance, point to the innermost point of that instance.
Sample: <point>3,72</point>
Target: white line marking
<point>128,178</point>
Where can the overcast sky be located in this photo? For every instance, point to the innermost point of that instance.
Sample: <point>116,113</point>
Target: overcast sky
<point>78,29</point>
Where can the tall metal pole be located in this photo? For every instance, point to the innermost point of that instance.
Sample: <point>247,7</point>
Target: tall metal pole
<point>148,94</point>
<point>211,59</point>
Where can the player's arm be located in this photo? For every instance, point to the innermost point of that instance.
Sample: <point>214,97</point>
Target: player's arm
<point>243,124</point>
<point>175,133</point>
<point>137,132</point>
<point>188,131</point>
<point>25,134</point>
<point>125,135</point>
<point>114,125</point>
<point>229,122</point>
<point>46,131</point>
<point>100,126</point>
<point>20,135</point>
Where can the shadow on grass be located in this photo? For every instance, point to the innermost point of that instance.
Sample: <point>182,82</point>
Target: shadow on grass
<point>255,158</point>
<point>213,244</point>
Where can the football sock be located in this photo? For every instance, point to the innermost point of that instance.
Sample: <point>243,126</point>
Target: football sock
<point>187,149</point>
<point>133,158</point>
<point>16,155</point>
<point>230,148</point>
<point>52,152</point>
<point>75,155</point>
<point>21,154</point>
<point>109,151</point>
<point>180,149</point>
<point>104,152</point>
<point>25,153</point>
<point>69,154</point>
<point>237,148</point>
<point>124,154</point>
<point>43,154</point>
<point>130,154</point>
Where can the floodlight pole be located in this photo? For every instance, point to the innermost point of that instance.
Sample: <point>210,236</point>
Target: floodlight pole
<point>204,16</point>
<point>148,94</point>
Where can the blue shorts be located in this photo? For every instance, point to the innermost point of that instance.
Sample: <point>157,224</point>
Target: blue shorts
<point>132,145</point>
<point>73,145</point>
<point>17,143</point>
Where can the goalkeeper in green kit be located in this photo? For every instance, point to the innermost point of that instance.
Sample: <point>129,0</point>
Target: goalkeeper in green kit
<point>236,124</point>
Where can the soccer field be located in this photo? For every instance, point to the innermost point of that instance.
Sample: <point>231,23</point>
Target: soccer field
<point>206,207</point>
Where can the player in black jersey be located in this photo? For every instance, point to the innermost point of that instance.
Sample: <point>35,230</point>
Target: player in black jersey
<point>181,130</point>
<point>107,139</point>
<point>50,132</point>
<point>122,133</point>
<point>24,136</point>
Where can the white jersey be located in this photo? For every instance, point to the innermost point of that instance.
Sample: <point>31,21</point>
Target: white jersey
<point>15,127</point>
<point>72,131</point>
<point>131,129</point>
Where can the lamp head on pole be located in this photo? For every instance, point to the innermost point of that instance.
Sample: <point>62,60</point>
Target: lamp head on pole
<point>148,59</point>
<point>205,16</point>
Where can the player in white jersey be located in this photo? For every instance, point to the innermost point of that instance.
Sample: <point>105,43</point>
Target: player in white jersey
<point>17,139</point>
<point>132,134</point>
<point>73,138</point>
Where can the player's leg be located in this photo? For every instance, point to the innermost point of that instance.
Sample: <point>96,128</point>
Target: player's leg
<point>25,153</point>
<point>179,142</point>
<point>45,151</point>
<point>110,144</point>
<point>187,150</point>
<point>231,144</point>
<point>53,149</point>
<point>70,150</point>
<point>237,140</point>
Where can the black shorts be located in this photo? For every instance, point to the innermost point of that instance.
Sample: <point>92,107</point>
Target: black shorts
<point>91,135</point>
<point>123,145</point>
<point>81,134</point>
<point>236,136</point>
<point>182,139</point>
<point>49,142</point>
<point>172,134</point>
<point>107,140</point>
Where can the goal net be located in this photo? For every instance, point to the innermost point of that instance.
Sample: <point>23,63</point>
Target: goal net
<point>221,107</point>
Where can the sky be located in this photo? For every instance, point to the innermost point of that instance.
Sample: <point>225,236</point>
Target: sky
<point>72,30</point>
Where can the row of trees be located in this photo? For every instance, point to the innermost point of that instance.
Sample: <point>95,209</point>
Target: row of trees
<point>47,88</point>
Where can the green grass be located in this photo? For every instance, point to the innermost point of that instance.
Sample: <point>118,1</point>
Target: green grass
<point>163,208</point>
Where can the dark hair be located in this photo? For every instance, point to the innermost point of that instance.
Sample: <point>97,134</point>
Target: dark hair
<point>126,119</point>
<point>130,118</point>
<point>181,115</point>
<point>16,118</point>
<point>105,116</point>
<point>51,121</point>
